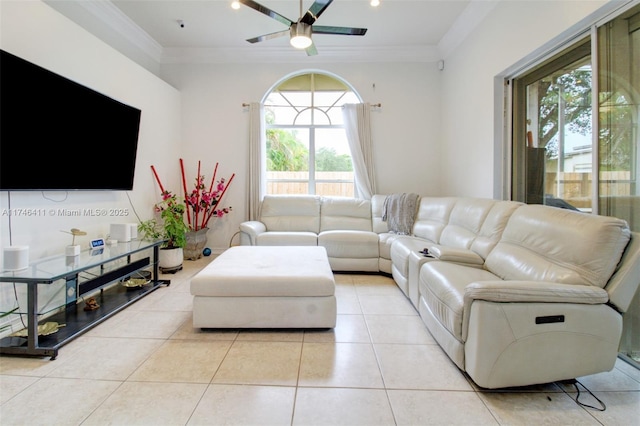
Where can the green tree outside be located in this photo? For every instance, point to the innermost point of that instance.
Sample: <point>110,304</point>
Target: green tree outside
<point>327,160</point>
<point>285,153</point>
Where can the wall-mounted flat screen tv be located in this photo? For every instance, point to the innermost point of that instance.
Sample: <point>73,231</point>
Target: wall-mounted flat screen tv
<point>56,134</point>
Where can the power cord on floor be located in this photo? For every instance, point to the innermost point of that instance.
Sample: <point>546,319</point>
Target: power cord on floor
<point>575,383</point>
<point>232,237</point>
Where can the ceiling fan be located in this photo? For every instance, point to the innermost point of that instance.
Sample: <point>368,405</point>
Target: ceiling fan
<point>300,31</point>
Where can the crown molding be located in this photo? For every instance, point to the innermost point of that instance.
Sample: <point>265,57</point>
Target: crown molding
<point>475,12</point>
<point>121,24</point>
<point>125,29</point>
<point>266,54</point>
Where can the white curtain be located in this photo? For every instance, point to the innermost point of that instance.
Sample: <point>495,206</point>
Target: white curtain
<point>256,179</point>
<point>357,123</point>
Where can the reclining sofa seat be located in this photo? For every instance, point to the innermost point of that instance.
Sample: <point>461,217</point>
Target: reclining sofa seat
<point>546,306</point>
<point>342,225</point>
<point>346,233</point>
<point>431,219</point>
<point>285,220</point>
<point>453,229</point>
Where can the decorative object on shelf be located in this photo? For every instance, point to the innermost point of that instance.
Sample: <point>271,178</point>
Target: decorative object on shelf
<point>16,258</point>
<point>134,283</point>
<point>43,329</point>
<point>120,232</point>
<point>196,240</point>
<point>73,249</point>
<point>137,279</point>
<point>91,304</point>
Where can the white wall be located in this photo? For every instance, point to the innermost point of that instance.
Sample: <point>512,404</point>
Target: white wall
<point>34,31</point>
<point>406,133</point>
<point>511,31</point>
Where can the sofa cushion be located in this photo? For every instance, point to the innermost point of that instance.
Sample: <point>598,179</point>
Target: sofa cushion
<point>543,243</point>
<point>402,247</point>
<point>386,242</point>
<point>493,227</point>
<point>345,214</point>
<point>378,225</point>
<point>442,286</point>
<point>350,244</point>
<point>281,238</point>
<point>291,213</point>
<point>465,222</point>
<point>433,216</point>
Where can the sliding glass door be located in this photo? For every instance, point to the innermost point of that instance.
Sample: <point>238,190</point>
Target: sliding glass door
<point>576,134</point>
<point>554,135</point>
<point>619,140</point>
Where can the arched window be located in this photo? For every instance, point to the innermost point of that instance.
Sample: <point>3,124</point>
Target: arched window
<point>307,150</point>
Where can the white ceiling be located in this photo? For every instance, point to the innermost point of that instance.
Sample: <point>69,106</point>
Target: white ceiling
<point>397,29</point>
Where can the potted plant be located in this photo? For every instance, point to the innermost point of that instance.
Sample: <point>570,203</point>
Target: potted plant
<point>170,228</point>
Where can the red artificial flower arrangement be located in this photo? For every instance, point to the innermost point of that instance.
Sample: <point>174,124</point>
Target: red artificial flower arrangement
<point>201,203</point>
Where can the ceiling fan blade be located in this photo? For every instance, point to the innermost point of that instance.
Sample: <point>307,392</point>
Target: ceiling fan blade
<point>315,11</point>
<point>268,36</point>
<point>311,50</point>
<point>323,29</point>
<point>262,9</point>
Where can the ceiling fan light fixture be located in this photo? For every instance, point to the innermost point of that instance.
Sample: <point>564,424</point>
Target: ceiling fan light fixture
<point>300,31</point>
<point>300,35</point>
<point>235,4</point>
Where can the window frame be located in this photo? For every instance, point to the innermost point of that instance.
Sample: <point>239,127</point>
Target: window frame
<point>577,50</point>
<point>503,84</point>
<point>312,180</point>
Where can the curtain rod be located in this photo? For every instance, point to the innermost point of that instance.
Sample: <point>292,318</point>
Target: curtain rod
<point>378,105</point>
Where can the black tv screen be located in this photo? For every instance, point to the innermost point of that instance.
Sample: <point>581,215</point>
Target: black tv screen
<point>56,134</point>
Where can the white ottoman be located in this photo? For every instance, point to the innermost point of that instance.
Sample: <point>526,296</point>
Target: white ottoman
<point>265,287</point>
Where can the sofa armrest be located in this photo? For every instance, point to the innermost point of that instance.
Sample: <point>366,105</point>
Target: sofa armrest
<point>250,230</point>
<point>456,255</point>
<point>512,291</point>
<point>534,291</point>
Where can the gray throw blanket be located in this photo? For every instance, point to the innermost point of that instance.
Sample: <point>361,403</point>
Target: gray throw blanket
<point>399,211</point>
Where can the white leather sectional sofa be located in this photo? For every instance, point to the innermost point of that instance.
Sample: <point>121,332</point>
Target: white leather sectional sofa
<point>515,294</point>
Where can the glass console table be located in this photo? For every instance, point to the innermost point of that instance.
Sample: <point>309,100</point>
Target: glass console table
<point>94,273</point>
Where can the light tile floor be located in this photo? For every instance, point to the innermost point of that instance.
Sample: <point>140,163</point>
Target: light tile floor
<point>380,366</point>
